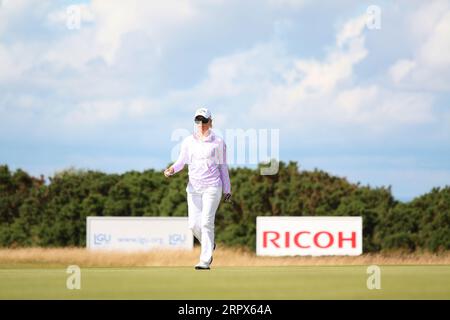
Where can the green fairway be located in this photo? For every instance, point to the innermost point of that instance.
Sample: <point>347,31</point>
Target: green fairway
<point>295,282</point>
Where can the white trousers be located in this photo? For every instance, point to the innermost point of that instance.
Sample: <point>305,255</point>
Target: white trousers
<point>202,205</point>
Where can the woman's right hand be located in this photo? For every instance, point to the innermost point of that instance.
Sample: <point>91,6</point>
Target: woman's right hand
<point>168,172</point>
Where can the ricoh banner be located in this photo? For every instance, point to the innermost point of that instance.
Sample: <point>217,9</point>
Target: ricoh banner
<point>138,233</point>
<point>308,236</point>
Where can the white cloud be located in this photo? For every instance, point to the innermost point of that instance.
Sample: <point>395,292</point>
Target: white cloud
<point>110,112</point>
<point>315,92</point>
<point>401,69</point>
<point>7,64</point>
<point>94,113</point>
<point>10,10</point>
<point>15,59</point>
<point>310,85</point>
<point>109,21</point>
<point>311,93</point>
<point>422,20</point>
<point>74,51</point>
<point>296,4</point>
<point>377,108</point>
<point>158,19</point>
<point>235,74</point>
<point>429,67</point>
<point>354,104</point>
<point>350,30</point>
<point>313,77</point>
<point>398,109</point>
<point>268,79</point>
<point>435,51</point>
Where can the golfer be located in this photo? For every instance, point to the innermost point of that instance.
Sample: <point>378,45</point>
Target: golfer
<point>205,153</point>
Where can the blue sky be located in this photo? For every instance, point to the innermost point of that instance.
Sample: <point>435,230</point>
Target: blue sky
<point>368,104</point>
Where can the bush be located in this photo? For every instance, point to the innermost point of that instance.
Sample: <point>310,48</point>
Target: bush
<point>33,213</point>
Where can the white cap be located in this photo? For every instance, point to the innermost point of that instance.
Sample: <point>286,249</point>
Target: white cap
<point>203,112</point>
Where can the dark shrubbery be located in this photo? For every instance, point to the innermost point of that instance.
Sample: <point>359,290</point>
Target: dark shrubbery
<point>33,213</point>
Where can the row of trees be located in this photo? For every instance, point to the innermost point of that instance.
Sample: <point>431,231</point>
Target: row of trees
<point>33,213</point>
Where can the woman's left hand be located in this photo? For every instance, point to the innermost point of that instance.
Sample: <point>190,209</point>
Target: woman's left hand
<point>227,197</point>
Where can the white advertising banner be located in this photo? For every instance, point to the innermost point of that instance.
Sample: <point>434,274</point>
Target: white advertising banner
<point>308,236</point>
<point>138,233</point>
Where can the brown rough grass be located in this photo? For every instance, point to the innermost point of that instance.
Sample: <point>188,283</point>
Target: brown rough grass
<point>222,257</point>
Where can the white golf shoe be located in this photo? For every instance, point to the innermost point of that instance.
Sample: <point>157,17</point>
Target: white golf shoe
<point>202,266</point>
